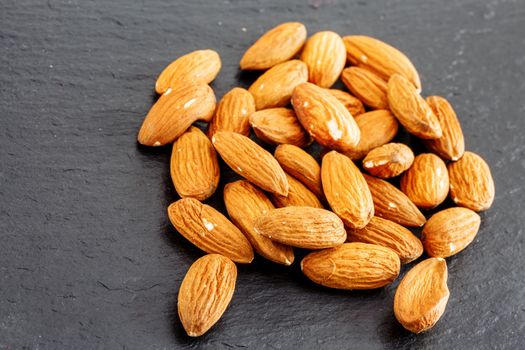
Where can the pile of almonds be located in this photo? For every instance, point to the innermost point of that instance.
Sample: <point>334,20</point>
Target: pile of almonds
<point>344,210</point>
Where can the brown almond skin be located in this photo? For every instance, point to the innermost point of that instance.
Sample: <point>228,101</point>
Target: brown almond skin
<point>245,203</point>
<point>352,103</point>
<point>201,66</point>
<point>233,113</point>
<point>274,87</point>
<point>324,117</point>
<point>389,160</point>
<point>422,295</point>
<point>174,112</point>
<point>367,86</point>
<point>412,111</point>
<point>471,183</point>
<point>388,234</point>
<point>392,204</point>
<point>194,167</point>
<point>325,55</point>
<point>205,293</point>
<point>426,183</point>
<point>251,161</point>
<point>346,190</point>
<point>352,266</point>
<point>450,231</point>
<point>279,125</point>
<point>302,227</point>
<point>209,230</point>
<point>451,145</point>
<point>298,196</point>
<point>277,45</point>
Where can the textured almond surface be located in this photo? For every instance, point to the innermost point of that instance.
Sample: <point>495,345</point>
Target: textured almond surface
<point>194,168</point>
<point>209,230</point>
<point>205,293</point>
<point>352,266</point>
<point>389,160</point>
<point>367,86</point>
<point>233,112</point>
<point>251,161</point>
<point>279,125</point>
<point>245,203</point>
<point>471,183</point>
<point>298,195</point>
<point>352,103</point>
<point>422,295</point>
<point>302,227</point>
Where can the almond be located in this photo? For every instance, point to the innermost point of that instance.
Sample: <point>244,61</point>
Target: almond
<point>367,86</point>
<point>325,55</point>
<point>205,293</point>
<point>194,168</point>
<point>426,183</point>
<point>209,230</point>
<point>233,112</point>
<point>201,66</point>
<point>471,183</point>
<point>389,160</point>
<point>422,295</point>
<point>388,234</point>
<point>450,231</point>
<point>274,88</point>
<point>298,196</point>
<point>279,125</point>
<point>352,266</point>
<point>245,203</point>
<point>275,46</point>
<point>346,190</point>
<point>174,112</point>
<point>352,103</point>
<point>302,227</point>
<point>412,111</point>
<point>251,161</point>
<point>324,117</point>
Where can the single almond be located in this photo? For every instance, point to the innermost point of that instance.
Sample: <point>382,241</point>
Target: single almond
<point>389,160</point>
<point>422,295</point>
<point>298,195</point>
<point>352,103</point>
<point>279,125</point>
<point>367,86</point>
<point>233,112</point>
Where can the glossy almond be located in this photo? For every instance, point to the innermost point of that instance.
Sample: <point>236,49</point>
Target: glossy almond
<point>279,125</point>
<point>298,195</point>
<point>367,86</point>
<point>233,112</point>
<point>352,103</point>
<point>389,160</point>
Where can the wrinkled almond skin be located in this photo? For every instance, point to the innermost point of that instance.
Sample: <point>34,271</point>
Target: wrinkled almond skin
<point>174,112</point>
<point>426,183</point>
<point>245,203</point>
<point>325,55</point>
<point>451,145</point>
<point>471,183</point>
<point>388,234</point>
<point>389,160</point>
<point>392,204</point>
<point>201,66</point>
<point>277,45</point>
<point>324,117</point>
<point>352,103</point>
<point>279,125</point>
<point>380,58</point>
<point>346,190</point>
<point>450,231</point>
<point>302,227</point>
<point>412,111</point>
<point>233,113</point>
<point>251,161</point>
<point>298,196</point>
<point>422,295</point>
<point>352,266</point>
<point>205,293</point>
<point>367,86</point>
<point>194,167</point>
<point>209,230</point>
<point>275,87</point>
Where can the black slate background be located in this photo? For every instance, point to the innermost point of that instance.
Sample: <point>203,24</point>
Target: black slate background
<point>88,258</point>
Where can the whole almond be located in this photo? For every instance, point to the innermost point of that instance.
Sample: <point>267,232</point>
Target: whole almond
<point>209,230</point>
<point>471,183</point>
<point>205,293</point>
<point>279,125</point>
<point>194,168</point>
<point>367,86</point>
<point>302,227</point>
<point>245,203</point>
<point>450,231</point>
<point>352,103</point>
<point>389,160</point>
<point>422,295</point>
<point>201,66</point>
<point>251,161</point>
<point>298,195</point>
<point>275,46</point>
<point>412,111</point>
<point>426,183</point>
<point>274,88</point>
<point>352,266</point>
<point>233,112</point>
<point>174,112</point>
